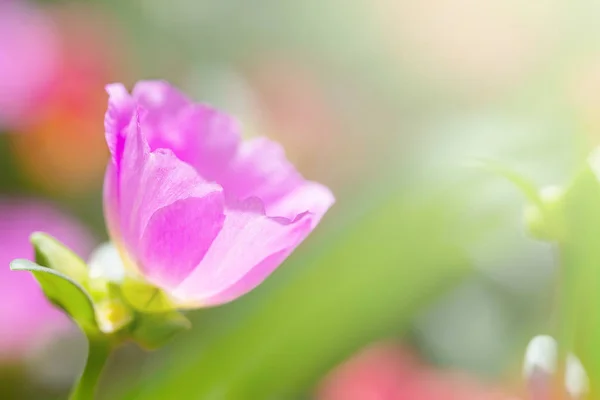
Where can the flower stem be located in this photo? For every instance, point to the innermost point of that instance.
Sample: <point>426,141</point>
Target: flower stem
<point>98,353</point>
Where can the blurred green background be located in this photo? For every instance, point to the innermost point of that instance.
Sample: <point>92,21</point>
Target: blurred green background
<point>388,103</point>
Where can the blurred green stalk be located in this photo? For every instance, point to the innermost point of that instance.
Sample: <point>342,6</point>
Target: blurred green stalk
<point>85,387</point>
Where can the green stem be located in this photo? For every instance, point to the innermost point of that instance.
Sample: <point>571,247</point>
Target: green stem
<point>98,353</point>
<point>567,317</point>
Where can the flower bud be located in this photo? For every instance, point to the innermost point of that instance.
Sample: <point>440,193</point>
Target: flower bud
<point>544,221</point>
<point>541,365</point>
<point>105,263</point>
<point>576,379</point>
<point>112,315</point>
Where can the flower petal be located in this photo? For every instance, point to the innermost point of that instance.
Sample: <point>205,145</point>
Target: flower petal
<point>110,195</point>
<point>198,134</point>
<point>252,279</point>
<point>306,196</point>
<point>211,140</point>
<point>178,236</point>
<point>139,197</point>
<point>160,99</point>
<point>117,118</point>
<point>162,103</point>
<point>113,218</point>
<point>260,169</point>
<point>248,248</point>
<point>163,180</point>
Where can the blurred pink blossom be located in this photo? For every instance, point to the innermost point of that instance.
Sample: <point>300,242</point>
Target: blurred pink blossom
<point>26,317</point>
<point>64,124</point>
<point>386,371</point>
<point>29,53</point>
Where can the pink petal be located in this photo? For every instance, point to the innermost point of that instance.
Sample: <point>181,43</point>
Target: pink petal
<point>160,99</point>
<point>111,202</point>
<point>306,196</point>
<point>260,169</point>
<point>117,118</point>
<point>178,236</point>
<point>161,185</point>
<point>162,104</point>
<point>147,189</point>
<point>210,140</point>
<point>198,134</point>
<point>164,180</point>
<point>130,170</point>
<point>252,279</point>
<point>248,248</point>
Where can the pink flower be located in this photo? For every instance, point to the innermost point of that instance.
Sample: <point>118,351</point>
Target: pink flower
<point>25,314</point>
<point>29,52</point>
<point>386,371</point>
<point>193,209</point>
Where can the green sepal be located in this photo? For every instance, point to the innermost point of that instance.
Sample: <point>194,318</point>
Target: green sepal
<point>152,331</point>
<point>547,222</point>
<point>543,213</point>
<point>526,186</point>
<point>146,298</point>
<point>51,253</point>
<point>64,292</point>
<point>131,310</point>
<point>113,315</point>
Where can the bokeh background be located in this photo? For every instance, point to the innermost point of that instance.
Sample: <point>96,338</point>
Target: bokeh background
<point>422,275</point>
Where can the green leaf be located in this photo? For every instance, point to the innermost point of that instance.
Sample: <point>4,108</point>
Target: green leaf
<point>64,292</point>
<point>580,274</point>
<point>51,253</point>
<point>152,331</point>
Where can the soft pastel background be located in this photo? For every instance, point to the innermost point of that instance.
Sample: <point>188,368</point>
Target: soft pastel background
<point>422,273</point>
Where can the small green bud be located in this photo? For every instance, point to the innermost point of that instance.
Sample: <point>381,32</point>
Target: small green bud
<point>544,221</point>
<point>112,315</point>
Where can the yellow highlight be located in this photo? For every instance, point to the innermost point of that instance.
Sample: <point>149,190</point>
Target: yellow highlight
<point>112,315</point>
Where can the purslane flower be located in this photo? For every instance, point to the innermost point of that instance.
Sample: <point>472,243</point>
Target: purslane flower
<point>26,317</point>
<point>193,209</point>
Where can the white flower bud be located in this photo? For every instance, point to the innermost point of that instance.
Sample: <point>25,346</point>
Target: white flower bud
<point>540,366</point>
<point>545,223</point>
<point>576,379</point>
<point>105,262</point>
<point>541,354</point>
